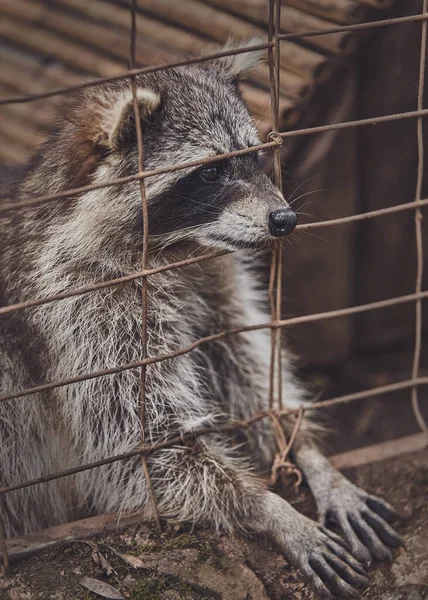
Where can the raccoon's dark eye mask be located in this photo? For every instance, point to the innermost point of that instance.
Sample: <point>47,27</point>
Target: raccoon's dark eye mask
<point>195,199</point>
<point>200,196</point>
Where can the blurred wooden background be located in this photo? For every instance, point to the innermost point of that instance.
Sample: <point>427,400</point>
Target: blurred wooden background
<point>46,44</point>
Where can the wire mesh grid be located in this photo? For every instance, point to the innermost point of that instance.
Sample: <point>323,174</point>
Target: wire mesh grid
<point>275,140</point>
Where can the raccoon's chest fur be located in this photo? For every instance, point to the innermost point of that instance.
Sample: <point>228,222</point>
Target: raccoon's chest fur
<point>100,330</point>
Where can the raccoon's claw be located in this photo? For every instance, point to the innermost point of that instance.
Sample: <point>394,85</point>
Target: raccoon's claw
<point>332,575</point>
<point>382,508</point>
<point>333,571</point>
<point>363,521</point>
<point>327,565</point>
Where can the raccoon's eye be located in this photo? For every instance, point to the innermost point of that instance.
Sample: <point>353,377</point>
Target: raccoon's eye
<point>211,173</point>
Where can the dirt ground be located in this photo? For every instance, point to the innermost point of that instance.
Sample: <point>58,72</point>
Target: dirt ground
<point>186,565</point>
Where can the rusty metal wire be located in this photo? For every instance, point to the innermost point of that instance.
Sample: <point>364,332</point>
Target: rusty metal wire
<point>275,278</point>
<point>418,228</point>
<point>144,255</point>
<point>281,462</point>
<point>276,324</point>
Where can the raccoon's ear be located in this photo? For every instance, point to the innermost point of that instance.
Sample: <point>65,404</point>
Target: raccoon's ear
<point>105,117</point>
<point>120,124</point>
<point>237,65</point>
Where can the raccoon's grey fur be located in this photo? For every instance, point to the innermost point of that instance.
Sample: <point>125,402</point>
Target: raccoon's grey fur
<point>187,113</point>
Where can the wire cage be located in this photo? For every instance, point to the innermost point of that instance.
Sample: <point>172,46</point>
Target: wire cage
<point>273,144</point>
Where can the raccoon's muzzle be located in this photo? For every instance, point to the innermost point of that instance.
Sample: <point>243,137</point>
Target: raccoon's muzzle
<point>282,222</point>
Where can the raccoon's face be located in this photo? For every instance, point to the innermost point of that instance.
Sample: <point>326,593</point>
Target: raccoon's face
<point>229,204</point>
<point>191,113</point>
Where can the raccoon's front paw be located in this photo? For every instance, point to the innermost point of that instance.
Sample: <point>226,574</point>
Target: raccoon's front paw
<point>362,518</point>
<point>323,559</point>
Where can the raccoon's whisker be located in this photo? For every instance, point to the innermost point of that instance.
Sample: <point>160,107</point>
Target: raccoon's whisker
<point>195,250</point>
<point>258,120</point>
<point>299,212</point>
<point>309,193</point>
<point>290,198</point>
<point>303,205</point>
<point>205,205</point>
<point>170,240</point>
<point>177,236</point>
<point>295,237</point>
<point>317,237</point>
<point>177,233</point>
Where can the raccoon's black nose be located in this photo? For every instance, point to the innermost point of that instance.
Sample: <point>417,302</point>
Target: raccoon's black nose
<point>282,222</point>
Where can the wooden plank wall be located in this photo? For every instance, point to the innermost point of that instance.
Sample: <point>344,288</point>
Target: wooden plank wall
<point>46,44</point>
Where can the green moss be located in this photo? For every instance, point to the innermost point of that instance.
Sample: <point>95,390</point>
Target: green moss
<point>84,595</point>
<point>154,589</point>
<point>149,590</point>
<point>184,540</point>
<point>138,549</point>
<point>185,590</point>
<point>206,551</point>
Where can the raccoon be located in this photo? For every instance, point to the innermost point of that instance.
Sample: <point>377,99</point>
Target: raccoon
<point>187,113</point>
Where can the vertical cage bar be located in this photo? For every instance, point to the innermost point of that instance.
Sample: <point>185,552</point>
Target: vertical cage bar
<point>278,182</point>
<point>275,280</point>
<point>418,227</point>
<point>144,282</point>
